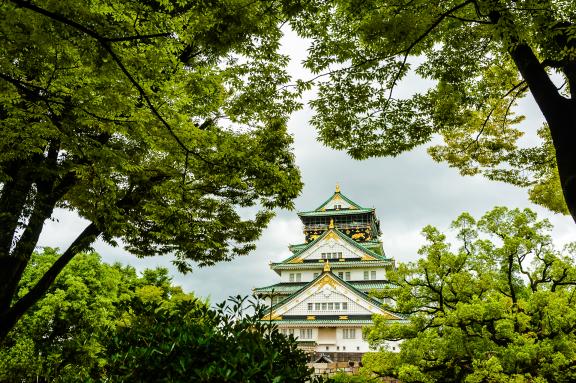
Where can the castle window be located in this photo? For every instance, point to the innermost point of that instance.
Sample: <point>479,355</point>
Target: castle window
<point>310,306</point>
<point>349,333</point>
<point>323,306</point>
<point>344,305</point>
<point>305,333</point>
<point>315,275</point>
<point>291,277</point>
<point>347,276</point>
<point>341,275</point>
<point>337,306</point>
<point>373,274</point>
<point>366,276</point>
<point>317,306</point>
<point>330,306</point>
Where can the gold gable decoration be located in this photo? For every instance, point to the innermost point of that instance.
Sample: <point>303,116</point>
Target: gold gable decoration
<point>337,188</point>
<point>326,280</point>
<point>327,266</point>
<point>332,235</point>
<point>367,257</point>
<point>272,316</point>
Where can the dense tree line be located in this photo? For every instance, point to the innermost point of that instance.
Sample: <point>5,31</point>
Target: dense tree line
<point>499,306</point>
<point>101,322</point>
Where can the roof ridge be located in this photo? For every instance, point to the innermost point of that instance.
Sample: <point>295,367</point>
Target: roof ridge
<point>328,274</point>
<point>341,235</point>
<point>339,193</point>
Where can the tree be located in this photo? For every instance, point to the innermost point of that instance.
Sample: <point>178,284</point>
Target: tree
<point>63,336</point>
<point>482,55</point>
<point>500,308</point>
<point>153,120</point>
<point>101,322</point>
<point>179,344</point>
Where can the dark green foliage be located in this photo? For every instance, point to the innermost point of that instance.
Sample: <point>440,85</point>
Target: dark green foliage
<point>478,57</point>
<point>154,120</point>
<point>185,343</point>
<point>498,308</point>
<point>104,323</point>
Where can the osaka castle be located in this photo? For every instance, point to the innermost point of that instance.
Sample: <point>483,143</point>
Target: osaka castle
<point>323,297</point>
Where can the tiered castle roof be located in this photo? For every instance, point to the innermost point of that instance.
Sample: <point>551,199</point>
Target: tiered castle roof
<point>340,235</point>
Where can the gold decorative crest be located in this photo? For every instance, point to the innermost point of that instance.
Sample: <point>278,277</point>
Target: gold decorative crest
<point>332,235</point>
<point>326,280</point>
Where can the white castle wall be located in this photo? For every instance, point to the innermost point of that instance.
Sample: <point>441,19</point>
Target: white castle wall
<point>356,274</point>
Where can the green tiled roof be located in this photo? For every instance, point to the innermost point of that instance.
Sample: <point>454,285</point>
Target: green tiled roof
<point>290,288</point>
<point>374,245</point>
<point>344,237</point>
<point>297,248</point>
<point>334,265</point>
<point>322,321</point>
<point>352,288</point>
<point>341,196</point>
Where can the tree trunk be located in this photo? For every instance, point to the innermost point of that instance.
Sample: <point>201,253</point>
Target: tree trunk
<point>9,318</point>
<point>560,114</point>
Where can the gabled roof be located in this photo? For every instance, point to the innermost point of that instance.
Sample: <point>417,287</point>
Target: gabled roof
<point>374,245</point>
<point>336,265</point>
<point>287,288</point>
<point>341,235</point>
<point>336,196</point>
<point>327,277</point>
<point>297,248</point>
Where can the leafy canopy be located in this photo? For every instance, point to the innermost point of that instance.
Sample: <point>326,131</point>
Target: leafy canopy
<point>498,308</point>
<point>161,117</point>
<point>473,51</point>
<point>101,322</point>
<point>156,121</point>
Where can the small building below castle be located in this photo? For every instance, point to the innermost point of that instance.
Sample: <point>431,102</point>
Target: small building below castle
<point>325,297</point>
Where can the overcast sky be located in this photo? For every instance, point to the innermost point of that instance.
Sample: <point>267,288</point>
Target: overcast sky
<point>408,192</point>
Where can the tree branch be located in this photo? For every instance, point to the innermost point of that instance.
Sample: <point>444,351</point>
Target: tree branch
<point>105,43</point>
<point>81,243</point>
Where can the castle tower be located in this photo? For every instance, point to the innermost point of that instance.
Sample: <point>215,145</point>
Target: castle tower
<point>323,298</point>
